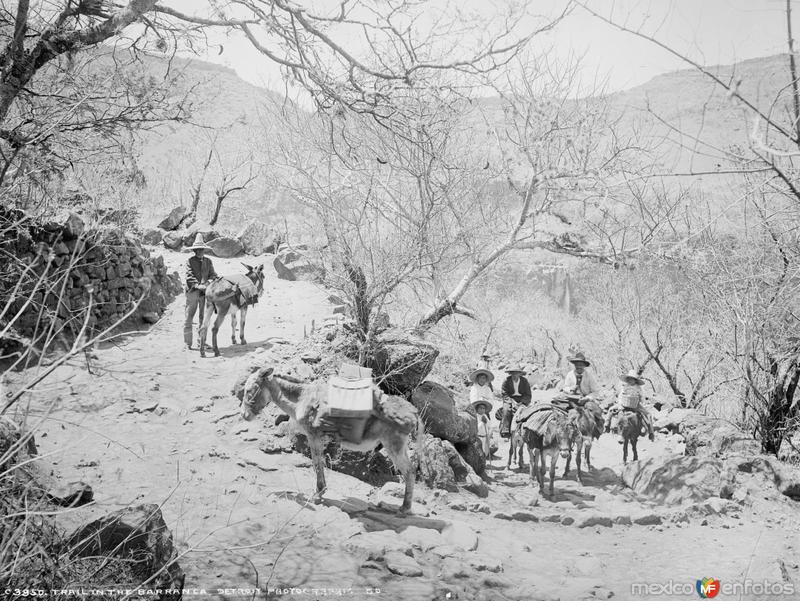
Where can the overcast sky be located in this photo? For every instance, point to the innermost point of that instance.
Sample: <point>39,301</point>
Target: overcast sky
<point>715,31</point>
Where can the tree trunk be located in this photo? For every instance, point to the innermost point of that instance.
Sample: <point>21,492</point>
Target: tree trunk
<point>217,209</point>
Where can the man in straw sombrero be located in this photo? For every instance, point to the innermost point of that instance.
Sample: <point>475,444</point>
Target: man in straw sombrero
<point>516,393</point>
<point>199,271</point>
<point>481,396</point>
<point>580,380</point>
<point>630,398</point>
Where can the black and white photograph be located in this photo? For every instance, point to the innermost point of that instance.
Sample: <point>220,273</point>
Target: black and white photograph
<point>399,300</point>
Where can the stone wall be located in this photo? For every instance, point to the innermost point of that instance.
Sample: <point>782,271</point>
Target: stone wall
<point>62,268</point>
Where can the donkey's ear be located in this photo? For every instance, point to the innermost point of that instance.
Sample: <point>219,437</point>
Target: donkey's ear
<point>247,267</point>
<point>260,268</point>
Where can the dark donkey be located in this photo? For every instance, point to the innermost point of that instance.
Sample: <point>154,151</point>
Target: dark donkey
<point>232,293</point>
<point>552,436</point>
<point>505,415</point>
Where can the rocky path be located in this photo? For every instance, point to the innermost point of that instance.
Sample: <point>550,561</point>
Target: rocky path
<point>154,423</point>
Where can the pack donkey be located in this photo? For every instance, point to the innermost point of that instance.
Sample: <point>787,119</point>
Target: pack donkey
<point>234,294</point>
<point>549,434</point>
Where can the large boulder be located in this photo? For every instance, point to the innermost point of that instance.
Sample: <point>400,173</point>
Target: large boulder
<point>176,217</point>
<point>671,418</point>
<point>173,240</point>
<point>225,248</point>
<point>434,464</point>
<point>152,236</point>
<point>710,436</point>
<point>138,539</point>
<point>401,361</point>
<point>441,466</point>
<point>198,227</point>
<point>258,238</point>
<point>761,473</point>
<point>441,416</point>
<point>295,264</point>
<point>677,479</point>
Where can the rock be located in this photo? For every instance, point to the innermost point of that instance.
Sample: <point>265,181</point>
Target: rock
<point>453,569</point>
<point>671,418</point>
<point>152,236</point>
<point>765,472</point>
<point>258,238</point>
<point>437,408</point>
<point>709,436</point>
<point>595,519</point>
<point>472,453</point>
<point>485,564</point>
<point>476,485</point>
<point>567,520</point>
<point>401,361</point>
<point>190,233</point>
<point>292,264</point>
<point>675,479</point>
<point>375,545</point>
<point>402,565</point>
<point>139,537</point>
<point>647,519</point>
<point>460,535</point>
<point>422,538</point>
<point>71,225</point>
<point>72,494</point>
<point>225,248</point>
<point>151,317</point>
<point>176,217</point>
<point>480,508</point>
<point>552,518</point>
<point>622,520</point>
<point>336,300</point>
<point>172,240</point>
<point>524,516</point>
<point>434,464</point>
<point>257,459</point>
<point>529,498</point>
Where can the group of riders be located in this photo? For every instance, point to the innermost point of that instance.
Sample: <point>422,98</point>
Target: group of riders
<point>579,388</point>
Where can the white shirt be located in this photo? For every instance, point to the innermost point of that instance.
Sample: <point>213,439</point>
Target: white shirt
<point>589,384</point>
<point>481,393</point>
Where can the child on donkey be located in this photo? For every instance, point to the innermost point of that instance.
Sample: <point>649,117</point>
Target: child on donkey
<point>630,398</point>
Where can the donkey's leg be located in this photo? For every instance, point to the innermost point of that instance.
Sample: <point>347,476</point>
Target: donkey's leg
<point>538,465</point>
<point>587,446</point>
<point>233,312</point>
<point>567,466</point>
<point>578,459</point>
<point>510,451</point>
<point>634,442</point>
<point>396,446</point>
<point>317,447</point>
<point>532,461</point>
<point>624,448</point>
<point>222,310</point>
<point>553,462</point>
<point>242,320</point>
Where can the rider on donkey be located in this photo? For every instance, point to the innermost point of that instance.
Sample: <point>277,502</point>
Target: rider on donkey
<point>581,383</point>
<point>516,392</point>
<point>630,399</point>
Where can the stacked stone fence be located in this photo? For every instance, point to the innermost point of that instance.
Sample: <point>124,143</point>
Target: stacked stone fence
<point>58,276</point>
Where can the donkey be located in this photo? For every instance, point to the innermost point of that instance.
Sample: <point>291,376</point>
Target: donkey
<point>391,424</point>
<point>516,446</point>
<point>589,423</point>
<point>553,438</point>
<point>630,427</point>
<point>232,293</point>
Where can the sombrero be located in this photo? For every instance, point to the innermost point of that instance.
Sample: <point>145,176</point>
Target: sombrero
<point>579,358</point>
<point>199,242</point>
<point>474,375</point>
<point>632,378</point>
<point>485,403</point>
<point>515,369</point>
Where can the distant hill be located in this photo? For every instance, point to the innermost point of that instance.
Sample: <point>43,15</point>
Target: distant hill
<point>222,102</point>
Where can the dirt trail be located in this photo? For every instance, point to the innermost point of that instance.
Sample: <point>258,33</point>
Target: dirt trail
<point>155,423</point>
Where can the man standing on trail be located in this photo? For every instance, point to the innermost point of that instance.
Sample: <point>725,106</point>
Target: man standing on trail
<point>199,271</point>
